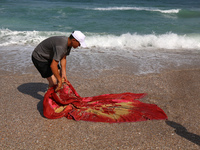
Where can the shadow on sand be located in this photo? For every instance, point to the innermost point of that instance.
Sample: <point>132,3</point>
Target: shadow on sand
<point>33,90</point>
<point>182,131</point>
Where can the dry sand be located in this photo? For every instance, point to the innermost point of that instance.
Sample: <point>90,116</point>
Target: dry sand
<point>23,126</point>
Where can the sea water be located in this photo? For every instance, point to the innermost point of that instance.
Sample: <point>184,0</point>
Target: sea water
<point>147,34</point>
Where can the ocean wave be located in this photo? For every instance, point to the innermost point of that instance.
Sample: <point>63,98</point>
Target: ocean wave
<point>138,9</point>
<point>107,41</point>
<point>189,14</point>
<point>149,41</point>
<point>9,37</point>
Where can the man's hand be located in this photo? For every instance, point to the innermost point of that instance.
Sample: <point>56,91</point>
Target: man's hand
<point>64,78</point>
<point>59,86</point>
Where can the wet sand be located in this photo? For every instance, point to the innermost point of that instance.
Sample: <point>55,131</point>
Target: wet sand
<point>177,92</point>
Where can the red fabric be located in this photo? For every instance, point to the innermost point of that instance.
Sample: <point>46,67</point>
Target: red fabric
<point>124,107</point>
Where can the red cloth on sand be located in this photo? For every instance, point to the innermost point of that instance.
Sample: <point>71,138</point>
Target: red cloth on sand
<point>112,108</point>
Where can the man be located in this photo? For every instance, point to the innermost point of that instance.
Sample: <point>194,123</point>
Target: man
<point>47,55</point>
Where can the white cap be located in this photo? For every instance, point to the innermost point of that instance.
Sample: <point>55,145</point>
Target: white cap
<point>79,36</point>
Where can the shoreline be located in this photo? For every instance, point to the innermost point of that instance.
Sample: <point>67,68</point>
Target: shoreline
<point>94,62</point>
<point>175,91</point>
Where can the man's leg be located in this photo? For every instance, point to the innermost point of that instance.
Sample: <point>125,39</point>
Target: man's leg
<point>52,81</point>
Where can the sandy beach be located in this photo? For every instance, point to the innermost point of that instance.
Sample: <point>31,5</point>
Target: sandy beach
<point>23,126</point>
<point>146,46</point>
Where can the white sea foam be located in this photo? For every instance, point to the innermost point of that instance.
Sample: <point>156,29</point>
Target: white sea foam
<point>125,41</point>
<point>150,41</point>
<point>9,37</point>
<point>139,9</point>
<point>130,49</point>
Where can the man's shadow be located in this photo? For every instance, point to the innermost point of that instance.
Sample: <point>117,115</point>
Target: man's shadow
<point>182,131</point>
<point>33,90</point>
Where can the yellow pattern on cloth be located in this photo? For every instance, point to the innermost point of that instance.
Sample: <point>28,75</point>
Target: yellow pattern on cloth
<point>60,109</point>
<point>119,110</point>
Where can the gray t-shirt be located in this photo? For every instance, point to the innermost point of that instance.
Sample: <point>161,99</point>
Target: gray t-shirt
<point>52,48</point>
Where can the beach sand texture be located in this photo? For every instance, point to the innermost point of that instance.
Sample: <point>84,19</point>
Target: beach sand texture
<point>146,46</point>
<point>177,92</point>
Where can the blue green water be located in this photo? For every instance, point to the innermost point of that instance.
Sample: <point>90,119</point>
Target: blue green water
<point>110,26</point>
<point>114,17</point>
<point>94,17</point>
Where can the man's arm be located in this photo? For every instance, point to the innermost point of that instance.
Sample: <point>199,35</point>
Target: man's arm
<point>63,67</point>
<point>54,69</point>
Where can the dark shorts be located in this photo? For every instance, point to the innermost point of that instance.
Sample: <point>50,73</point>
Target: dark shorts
<point>43,67</point>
